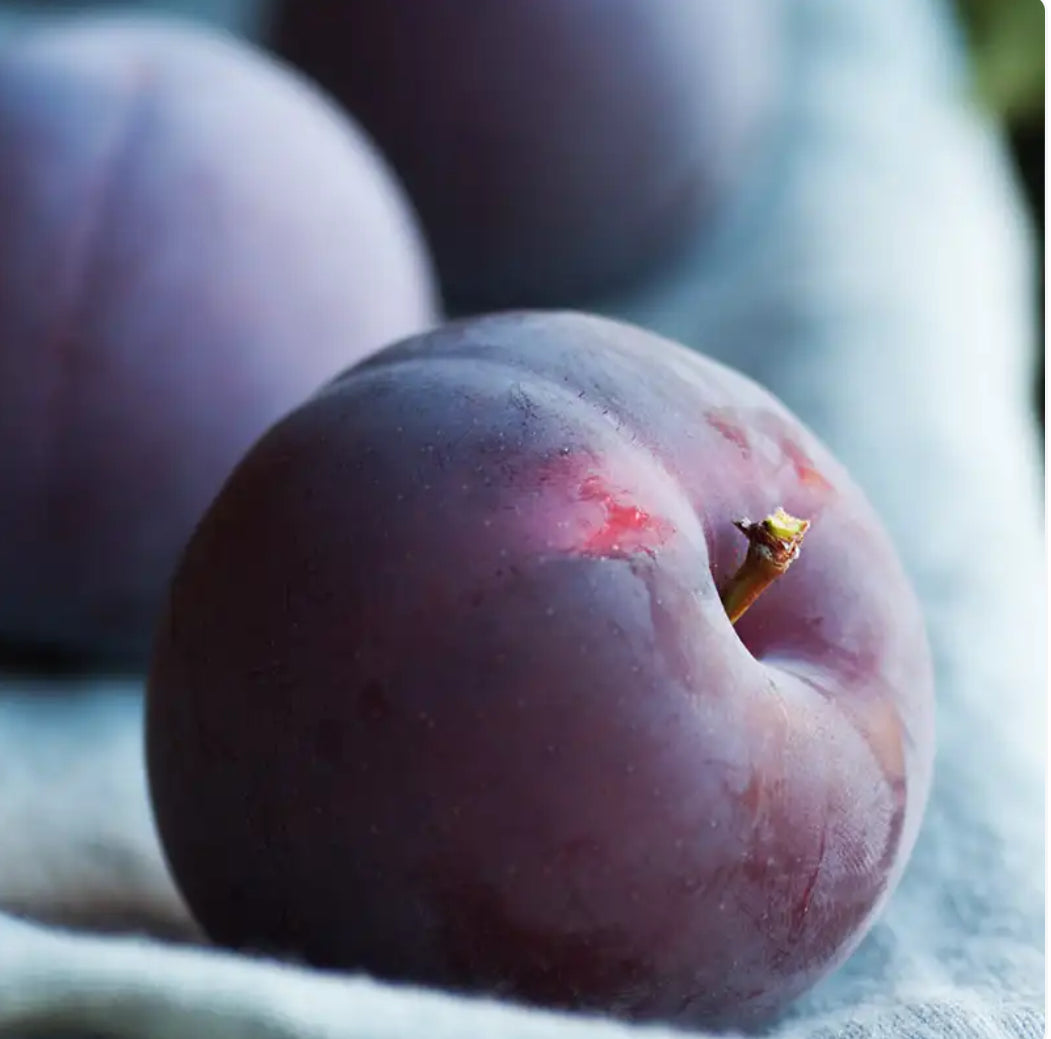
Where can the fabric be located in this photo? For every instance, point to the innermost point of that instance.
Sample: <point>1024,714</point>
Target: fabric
<point>876,273</point>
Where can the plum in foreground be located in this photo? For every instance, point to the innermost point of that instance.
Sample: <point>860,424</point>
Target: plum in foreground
<point>191,240</point>
<point>552,148</point>
<point>447,691</point>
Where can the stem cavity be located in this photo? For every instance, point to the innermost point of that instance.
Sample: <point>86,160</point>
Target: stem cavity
<point>773,545</point>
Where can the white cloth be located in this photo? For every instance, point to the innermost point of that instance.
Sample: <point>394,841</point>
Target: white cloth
<point>876,274</point>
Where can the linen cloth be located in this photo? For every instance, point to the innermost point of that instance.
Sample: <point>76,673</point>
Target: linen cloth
<point>874,271</point>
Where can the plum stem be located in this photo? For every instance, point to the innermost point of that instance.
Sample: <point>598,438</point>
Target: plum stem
<point>773,545</point>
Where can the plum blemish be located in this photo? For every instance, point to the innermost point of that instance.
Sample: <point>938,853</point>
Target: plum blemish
<point>803,466</point>
<point>625,528</point>
<point>721,421</point>
<point>733,424</point>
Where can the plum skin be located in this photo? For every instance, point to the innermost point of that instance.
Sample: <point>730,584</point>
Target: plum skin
<point>191,240</point>
<point>564,148</point>
<point>445,691</point>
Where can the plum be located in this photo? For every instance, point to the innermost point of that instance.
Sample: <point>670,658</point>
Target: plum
<point>191,240</point>
<point>552,149</point>
<point>446,690</point>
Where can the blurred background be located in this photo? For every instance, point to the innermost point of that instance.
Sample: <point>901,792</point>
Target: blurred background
<point>1005,40</point>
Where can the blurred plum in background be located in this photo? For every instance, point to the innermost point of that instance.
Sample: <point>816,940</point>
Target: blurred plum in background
<point>552,149</point>
<point>191,239</point>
